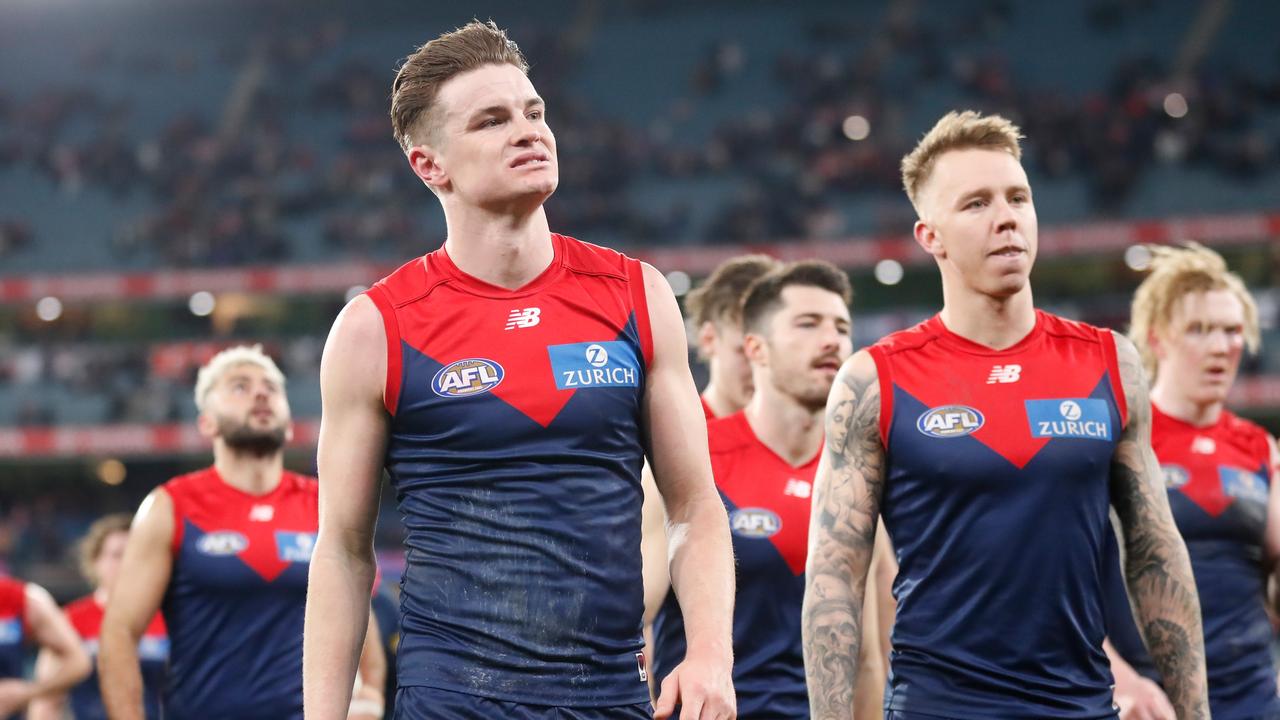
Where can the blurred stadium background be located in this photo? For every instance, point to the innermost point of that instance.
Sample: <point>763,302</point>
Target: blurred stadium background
<point>179,176</point>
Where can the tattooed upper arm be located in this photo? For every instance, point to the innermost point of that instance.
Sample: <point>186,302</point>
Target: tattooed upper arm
<point>1135,476</point>
<point>846,505</point>
<point>1157,569</point>
<point>851,476</point>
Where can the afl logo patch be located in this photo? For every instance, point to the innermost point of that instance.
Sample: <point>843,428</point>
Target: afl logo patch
<point>755,523</point>
<point>950,421</point>
<point>473,376</point>
<point>1175,476</point>
<point>222,542</point>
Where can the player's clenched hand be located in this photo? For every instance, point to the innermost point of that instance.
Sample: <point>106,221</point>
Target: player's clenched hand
<point>1144,700</point>
<point>703,689</point>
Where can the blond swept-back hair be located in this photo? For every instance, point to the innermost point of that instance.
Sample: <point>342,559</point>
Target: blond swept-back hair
<point>1179,271</point>
<point>219,364</point>
<point>90,546</point>
<point>414,115</point>
<point>966,130</point>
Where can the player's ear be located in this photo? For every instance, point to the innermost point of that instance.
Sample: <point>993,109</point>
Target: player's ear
<point>426,164</point>
<point>1157,342</point>
<point>706,339</point>
<point>755,348</point>
<point>927,237</point>
<point>207,426</point>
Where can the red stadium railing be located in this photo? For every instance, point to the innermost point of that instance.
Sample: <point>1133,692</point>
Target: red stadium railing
<point>852,253</point>
<point>123,440</point>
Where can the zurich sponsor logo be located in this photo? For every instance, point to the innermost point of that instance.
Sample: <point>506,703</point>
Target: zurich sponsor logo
<point>10,631</point>
<point>755,523</point>
<point>950,421</point>
<point>1085,418</point>
<point>1242,484</point>
<point>222,542</point>
<point>594,365</point>
<point>295,546</point>
<point>465,378</point>
<point>1175,476</point>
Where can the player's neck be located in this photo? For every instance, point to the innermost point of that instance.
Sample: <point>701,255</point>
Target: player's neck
<point>721,404</point>
<point>789,429</point>
<point>994,322</point>
<point>1165,395</point>
<point>248,473</point>
<point>100,596</point>
<point>500,249</point>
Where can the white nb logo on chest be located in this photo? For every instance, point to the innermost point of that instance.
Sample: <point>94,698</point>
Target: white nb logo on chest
<point>798,488</point>
<point>524,318</point>
<point>262,513</point>
<point>1004,374</point>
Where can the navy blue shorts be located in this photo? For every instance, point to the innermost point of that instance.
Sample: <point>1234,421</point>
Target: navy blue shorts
<point>423,703</point>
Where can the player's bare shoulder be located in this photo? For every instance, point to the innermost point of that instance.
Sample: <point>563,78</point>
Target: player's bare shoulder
<point>355,353</point>
<point>1133,378</point>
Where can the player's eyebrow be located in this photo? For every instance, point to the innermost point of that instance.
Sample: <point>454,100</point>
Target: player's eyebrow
<point>499,108</point>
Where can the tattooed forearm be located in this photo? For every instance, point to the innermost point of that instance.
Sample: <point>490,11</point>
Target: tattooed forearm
<point>846,504</point>
<point>1157,568</point>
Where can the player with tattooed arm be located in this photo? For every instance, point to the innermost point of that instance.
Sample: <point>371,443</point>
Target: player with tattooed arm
<point>992,438</point>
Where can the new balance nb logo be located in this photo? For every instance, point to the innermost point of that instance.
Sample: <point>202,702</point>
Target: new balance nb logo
<point>798,488</point>
<point>526,318</point>
<point>1004,374</point>
<point>262,513</point>
<point>1203,445</point>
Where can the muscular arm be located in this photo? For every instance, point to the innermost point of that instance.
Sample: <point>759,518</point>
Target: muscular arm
<point>842,532</point>
<point>700,552</point>
<point>1157,569</point>
<point>353,437</point>
<point>144,571</point>
<point>63,660</point>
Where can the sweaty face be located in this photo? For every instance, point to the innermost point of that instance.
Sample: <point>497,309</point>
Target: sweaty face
<point>808,339</point>
<point>978,206</point>
<point>495,147</point>
<point>1199,351</point>
<point>250,410</point>
<point>728,363</point>
<point>107,564</point>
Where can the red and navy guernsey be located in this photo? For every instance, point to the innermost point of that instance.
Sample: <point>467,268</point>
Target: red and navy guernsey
<point>996,499</point>
<point>236,598</point>
<point>85,698</point>
<point>13,626</point>
<point>768,501</point>
<point>1219,478</point>
<point>515,448</point>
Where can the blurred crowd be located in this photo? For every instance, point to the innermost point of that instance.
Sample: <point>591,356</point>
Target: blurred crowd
<point>237,182</point>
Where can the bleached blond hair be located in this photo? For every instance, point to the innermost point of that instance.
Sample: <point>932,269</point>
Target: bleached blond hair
<point>966,130</point>
<point>1179,271</point>
<point>219,364</point>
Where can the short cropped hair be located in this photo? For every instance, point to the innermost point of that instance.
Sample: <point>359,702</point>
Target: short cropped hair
<point>418,81</point>
<point>966,130</point>
<point>719,298</point>
<point>90,546</point>
<point>219,364</point>
<point>1179,271</point>
<point>764,297</point>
